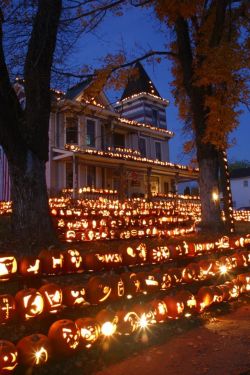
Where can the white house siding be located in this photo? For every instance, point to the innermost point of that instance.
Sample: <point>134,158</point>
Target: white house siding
<point>241,193</point>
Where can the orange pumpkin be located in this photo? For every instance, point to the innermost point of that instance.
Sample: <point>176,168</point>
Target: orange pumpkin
<point>189,301</point>
<point>74,295</point>
<point>205,297</point>
<point>89,331</point>
<point>107,321</point>
<point>34,350</point>
<point>30,303</point>
<point>175,307</point>
<point>51,261</point>
<point>8,266</point>
<point>7,308</point>
<point>52,298</point>
<point>160,310</point>
<point>72,261</point>
<point>64,336</point>
<point>29,266</point>
<point>132,283</point>
<point>8,357</point>
<point>98,290</point>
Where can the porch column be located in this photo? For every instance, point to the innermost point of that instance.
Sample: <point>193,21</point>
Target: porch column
<point>149,192</point>
<point>122,182</point>
<point>75,176</point>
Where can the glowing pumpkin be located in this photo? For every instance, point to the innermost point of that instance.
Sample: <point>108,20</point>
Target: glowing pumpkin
<point>160,310</point>
<point>8,357</point>
<point>52,297</point>
<point>7,308</point>
<point>29,266</point>
<point>34,350</point>
<point>30,303</point>
<point>51,261</point>
<point>132,284</point>
<point>74,295</point>
<point>72,261</point>
<point>98,290</point>
<point>8,266</point>
<point>89,331</point>
<point>175,307</point>
<point>107,321</point>
<point>64,336</point>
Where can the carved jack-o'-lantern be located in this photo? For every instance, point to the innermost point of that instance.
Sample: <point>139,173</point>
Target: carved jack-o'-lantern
<point>117,285</point>
<point>8,266</point>
<point>52,297</point>
<point>72,261</point>
<point>189,301</point>
<point>191,273</point>
<point>158,254</point>
<point>132,283</point>
<point>245,280</point>
<point>160,310</point>
<point>8,357</point>
<point>175,307</point>
<point>98,290</point>
<point>149,281</point>
<point>176,275</point>
<point>7,308</point>
<point>207,269</point>
<point>29,303</point>
<point>127,321</point>
<point>205,297</point>
<point>64,336</point>
<point>165,280</point>
<point>74,295</point>
<point>108,322</point>
<point>128,253</point>
<point>89,331</point>
<point>145,314</point>
<point>91,262</point>
<point>29,266</point>
<point>34,350</point>
<point>51,261</point>
<point>110,260</point>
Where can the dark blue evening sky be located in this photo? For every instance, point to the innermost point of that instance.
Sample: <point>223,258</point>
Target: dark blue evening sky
<point>136,32</point>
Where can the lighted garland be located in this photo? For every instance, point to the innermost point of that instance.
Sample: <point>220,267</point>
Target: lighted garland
<point>51,298</point>
<point>66,336</point>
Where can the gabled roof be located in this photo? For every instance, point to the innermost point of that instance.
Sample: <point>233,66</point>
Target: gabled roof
<point>75,90</point>
<point>240,172</point>
<point>139,83</point>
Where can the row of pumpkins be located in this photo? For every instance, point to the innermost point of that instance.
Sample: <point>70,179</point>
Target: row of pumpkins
<point>105,233</point>
<point>51,298</point>
<point>66,336</point>
<point>52,262</point>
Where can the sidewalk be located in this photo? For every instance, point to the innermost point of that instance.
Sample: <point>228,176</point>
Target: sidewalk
<point>220,347</point>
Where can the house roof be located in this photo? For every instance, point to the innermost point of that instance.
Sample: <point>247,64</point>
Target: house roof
<point>240,172</point>
<point>139,83</point>
<point>75,90</point>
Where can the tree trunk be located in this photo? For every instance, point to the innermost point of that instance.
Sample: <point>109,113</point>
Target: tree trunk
<point>31,222</point>
<point>209,194</point>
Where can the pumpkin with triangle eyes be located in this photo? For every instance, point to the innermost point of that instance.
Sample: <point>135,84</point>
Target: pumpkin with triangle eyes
<point>64,336</point>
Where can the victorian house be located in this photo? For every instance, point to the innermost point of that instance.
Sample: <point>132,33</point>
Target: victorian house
<point>124,147</point>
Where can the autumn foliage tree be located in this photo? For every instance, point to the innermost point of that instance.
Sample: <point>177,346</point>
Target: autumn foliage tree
<point>211,55</point>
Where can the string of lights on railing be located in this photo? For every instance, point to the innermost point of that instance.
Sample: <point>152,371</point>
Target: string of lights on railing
<point>119,155</point>
<point>66,336</point>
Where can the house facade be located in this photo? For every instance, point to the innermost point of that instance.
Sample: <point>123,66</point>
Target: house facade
<point>240,186</point>
<point>123,148</point>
